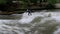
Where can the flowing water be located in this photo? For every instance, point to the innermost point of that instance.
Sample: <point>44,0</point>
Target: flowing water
<point>37,23</point>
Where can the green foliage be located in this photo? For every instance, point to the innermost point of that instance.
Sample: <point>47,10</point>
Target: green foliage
<point>50,6</point>
<point>57,1</point>
<point>34,1</point>
<point>51,1</point>
<point>2,1</point>
<point>23,0</point>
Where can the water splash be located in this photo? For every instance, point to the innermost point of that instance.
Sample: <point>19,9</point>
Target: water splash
<point>37,23</point>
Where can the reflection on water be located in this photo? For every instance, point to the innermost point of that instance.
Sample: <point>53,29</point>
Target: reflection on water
<point>37,23</point>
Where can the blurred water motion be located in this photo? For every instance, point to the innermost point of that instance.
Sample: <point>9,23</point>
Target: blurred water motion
<point>37,23</point>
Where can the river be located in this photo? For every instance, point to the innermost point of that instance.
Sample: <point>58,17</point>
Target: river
<point>38,23</point>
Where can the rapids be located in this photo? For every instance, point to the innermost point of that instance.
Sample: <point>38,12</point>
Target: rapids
<point>37,23</point>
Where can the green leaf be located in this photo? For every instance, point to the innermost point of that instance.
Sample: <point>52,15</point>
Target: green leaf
<point>2,1</point>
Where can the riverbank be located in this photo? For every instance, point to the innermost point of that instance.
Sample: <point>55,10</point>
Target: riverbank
<point>57,5</point>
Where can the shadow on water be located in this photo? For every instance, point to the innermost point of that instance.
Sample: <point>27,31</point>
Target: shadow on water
<point>11,17</point>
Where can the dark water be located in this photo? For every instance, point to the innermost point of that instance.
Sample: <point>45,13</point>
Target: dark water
<point>37,23</point>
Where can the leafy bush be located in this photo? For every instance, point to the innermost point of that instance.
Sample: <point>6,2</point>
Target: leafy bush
<point>50,6</point>
<point>51,1</point>
<point>2,1</point>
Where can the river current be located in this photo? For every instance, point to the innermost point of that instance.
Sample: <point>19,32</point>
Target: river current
<point>37,23</point>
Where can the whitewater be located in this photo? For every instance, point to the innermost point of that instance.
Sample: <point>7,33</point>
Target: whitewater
<point>38,23</point>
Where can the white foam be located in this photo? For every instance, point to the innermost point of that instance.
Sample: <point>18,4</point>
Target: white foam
<point>56,16</point>
<point>27,19</point>
<point>57,31</point>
